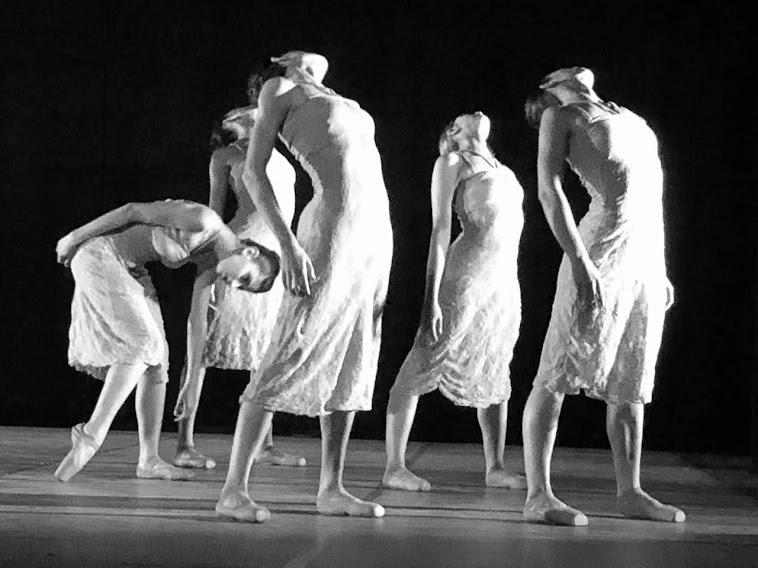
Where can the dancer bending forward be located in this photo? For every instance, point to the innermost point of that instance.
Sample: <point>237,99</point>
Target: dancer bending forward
<point>116,332</point>
<point>472,306</point>
<point>324,348</point>
<point>612,291</point>
<point>228,328</point>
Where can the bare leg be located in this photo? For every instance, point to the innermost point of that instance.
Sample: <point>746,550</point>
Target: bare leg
<point>540,424</point>
<point>493,421</point>
<point>624,427</point>
<point>234,502</point>
<point>186,454</point>
<point>149,402</point>
<point>271,455</point>
<point>87,438</point>
<point>332,498</point>
<point>400,413</point>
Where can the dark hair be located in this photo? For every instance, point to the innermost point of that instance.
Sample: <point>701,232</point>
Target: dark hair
<point>256,79</point>
<point>536,103</point>
<point>220,136</point>
<point>272,257</point>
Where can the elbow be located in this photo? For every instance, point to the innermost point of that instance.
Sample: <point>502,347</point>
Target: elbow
<point>133,213</point>
<point>207,219</point>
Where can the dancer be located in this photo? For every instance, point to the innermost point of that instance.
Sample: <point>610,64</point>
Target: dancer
<point>236,330</point>
<point>612,291</point>
<point>325,345</point>
<point>472,305</point>
<point>116,332</point>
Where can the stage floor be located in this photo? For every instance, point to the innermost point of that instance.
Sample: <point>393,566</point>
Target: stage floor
<point>106,517</point>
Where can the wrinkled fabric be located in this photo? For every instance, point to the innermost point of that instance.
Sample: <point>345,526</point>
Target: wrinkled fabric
<point>479,297</point>
<point>239,322</point>
<point>115,316</point>
<point>324,347</point>
<point>610,352</point>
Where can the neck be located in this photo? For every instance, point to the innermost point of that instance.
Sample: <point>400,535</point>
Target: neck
<point>226,243</point>
<point>478,146</point>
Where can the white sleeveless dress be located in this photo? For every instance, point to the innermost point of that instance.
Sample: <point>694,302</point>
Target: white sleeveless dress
<point>479,297</point>
<point>240,323</point>
<point>115,315</point>
<point>611,352</point>
<point>325,347</point>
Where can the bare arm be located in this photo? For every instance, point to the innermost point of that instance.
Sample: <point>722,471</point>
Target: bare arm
<point>552,153</point>
<point>197,333</point>
<point>218,174</point>
<point>184,215</point>
<point>297,271</point>
<point>444,180</point>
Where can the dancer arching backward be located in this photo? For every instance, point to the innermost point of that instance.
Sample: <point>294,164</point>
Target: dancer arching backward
<point>472,305</point>
<point>116,331</point>
<point>612,291</point>
<point>324,349</point>
<point>235,332</point>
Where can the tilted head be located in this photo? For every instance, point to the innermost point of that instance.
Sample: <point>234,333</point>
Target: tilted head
<point>569,77</point>
<point>461,132</point>
<point>250,267</point>
<point>295,61</point>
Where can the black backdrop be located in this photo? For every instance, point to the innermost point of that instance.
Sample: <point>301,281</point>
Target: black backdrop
<point>112,102</point>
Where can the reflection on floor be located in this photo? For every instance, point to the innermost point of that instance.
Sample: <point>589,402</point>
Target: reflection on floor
<point>106,517</point>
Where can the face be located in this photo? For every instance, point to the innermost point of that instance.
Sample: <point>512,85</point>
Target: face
<point>468,126</point>
<point>567,75</point>
<point>247,268</point>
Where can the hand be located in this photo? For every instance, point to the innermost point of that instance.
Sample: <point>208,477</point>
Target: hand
<point>589,289</point>
<point>66,249</point>
<point>669,294</point>
<point>435,321</point>
<point>297,270</point>
<point>186,404</point>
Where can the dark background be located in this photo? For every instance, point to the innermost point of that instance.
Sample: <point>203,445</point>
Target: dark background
<point>113,102</point>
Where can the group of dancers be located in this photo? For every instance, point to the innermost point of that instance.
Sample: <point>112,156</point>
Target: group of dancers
<point>311,337</point>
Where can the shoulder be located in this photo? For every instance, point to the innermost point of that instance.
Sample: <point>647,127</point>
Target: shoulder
<point>451,161</point>
<point>224,154</point>
<point>276,87</point>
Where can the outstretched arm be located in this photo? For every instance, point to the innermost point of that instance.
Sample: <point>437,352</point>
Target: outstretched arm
<point>184,215</point>
<point>553,149</point>
<point>197,334</point>
<point>444,180</point>
<point>274,101</point>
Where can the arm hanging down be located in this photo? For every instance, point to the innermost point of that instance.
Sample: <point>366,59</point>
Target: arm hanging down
<point>274,100</point>
<point>197,334</point>
<point>553,149</point>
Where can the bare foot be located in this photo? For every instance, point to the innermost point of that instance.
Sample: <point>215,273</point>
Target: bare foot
<point>402,478</point>
<point>340,502</point>
<point>550,509</point>
<point>83,447</point>
<point>156,468</point>
<point>637,504</point>
<point>240,507</point>
<point>271,455</point>
<point>501,478</point>
<point>190,458</point>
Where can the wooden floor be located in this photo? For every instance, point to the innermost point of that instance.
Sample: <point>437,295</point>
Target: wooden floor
<point>106,517</point>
